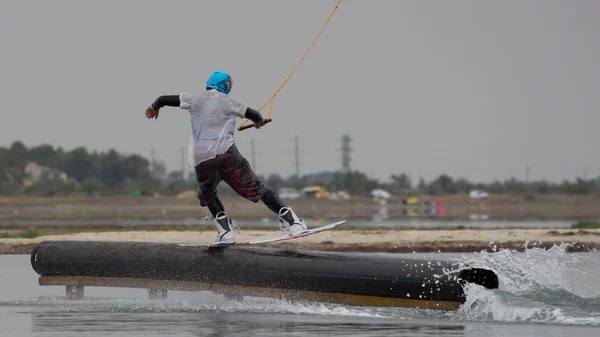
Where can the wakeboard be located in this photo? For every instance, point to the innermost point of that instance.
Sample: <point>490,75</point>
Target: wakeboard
<point>277,238</point>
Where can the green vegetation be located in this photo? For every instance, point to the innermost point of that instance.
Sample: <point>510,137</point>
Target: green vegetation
<point>29,234</point>
<point>26,234</point>
<point>45,171</point>
<point>586,225</point>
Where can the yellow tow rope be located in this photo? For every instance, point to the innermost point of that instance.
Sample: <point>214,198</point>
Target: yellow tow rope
<point>270,101</point>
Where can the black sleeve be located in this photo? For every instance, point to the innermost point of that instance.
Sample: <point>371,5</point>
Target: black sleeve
<point>168,100</point>
<point>253,115</point>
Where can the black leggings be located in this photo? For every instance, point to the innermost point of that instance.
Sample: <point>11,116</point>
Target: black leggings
<point>270,199</point>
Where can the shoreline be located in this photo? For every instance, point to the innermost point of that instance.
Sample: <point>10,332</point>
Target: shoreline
<point>354,240</point>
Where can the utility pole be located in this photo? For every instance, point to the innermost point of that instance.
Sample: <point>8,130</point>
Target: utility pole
<point>253,154</point>
<point>152,161</point>
<point>527,174</point>
<point>183,164</point>
<point>346,149</point>
<point>297,156</point>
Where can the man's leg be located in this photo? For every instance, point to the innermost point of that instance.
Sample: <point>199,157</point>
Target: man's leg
<point>287,218</point>
<point>238,174</point>
<point>272,201</point>
<point>215,206</point>
<point>208,180</point>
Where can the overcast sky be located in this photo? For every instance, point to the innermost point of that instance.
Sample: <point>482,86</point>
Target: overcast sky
<point>478,89</point>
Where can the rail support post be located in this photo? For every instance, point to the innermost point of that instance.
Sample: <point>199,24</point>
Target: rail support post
<point>74,292</point>
<point>157,294</point>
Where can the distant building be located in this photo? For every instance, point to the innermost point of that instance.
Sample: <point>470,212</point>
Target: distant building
<point>317,192</point>
<point>289,193</point>
<point>478,194</point>
<point>36,173</point>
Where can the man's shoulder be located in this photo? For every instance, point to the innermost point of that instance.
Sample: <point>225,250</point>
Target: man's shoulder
<point>213,95</point>
<point>196,96</point>
<point>234,100</point>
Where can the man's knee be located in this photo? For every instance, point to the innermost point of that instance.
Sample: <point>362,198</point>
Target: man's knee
<point>203,201</point>
<point>257,194</point>
<point>205,198</point>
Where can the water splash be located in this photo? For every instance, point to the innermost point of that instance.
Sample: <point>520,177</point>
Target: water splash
<point>538,286</point>
<point>495,305</point>
<point>530,270</point>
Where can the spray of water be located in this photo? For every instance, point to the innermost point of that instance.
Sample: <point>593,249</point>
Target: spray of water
<point>493,305</point>
<point>537,286</point>
<point>530,270</point>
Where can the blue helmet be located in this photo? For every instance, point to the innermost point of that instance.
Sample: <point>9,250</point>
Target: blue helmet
<point>220,81</point>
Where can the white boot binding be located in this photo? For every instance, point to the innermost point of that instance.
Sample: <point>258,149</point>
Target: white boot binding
<point>226,228</point>
<point>289,221</point>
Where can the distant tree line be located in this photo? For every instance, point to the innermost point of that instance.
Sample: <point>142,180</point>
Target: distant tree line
<point>88,171</point>
<point>112,172</point>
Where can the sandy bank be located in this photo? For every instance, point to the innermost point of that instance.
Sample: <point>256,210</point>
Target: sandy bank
<point>467,240</point>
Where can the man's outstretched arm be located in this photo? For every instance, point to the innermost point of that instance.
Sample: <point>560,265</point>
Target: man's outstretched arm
<point>165,100</point>
<point>173,100</point>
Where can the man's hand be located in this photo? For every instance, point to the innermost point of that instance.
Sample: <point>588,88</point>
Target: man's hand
<point>151,112</point>
<point>259,124</point>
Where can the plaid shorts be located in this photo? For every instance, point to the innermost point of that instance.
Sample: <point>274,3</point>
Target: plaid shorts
<point>232,168</point>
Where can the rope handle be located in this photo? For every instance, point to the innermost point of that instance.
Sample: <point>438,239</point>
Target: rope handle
<point>267,120</point>
<point>244,127</point>
<point>270,101</point>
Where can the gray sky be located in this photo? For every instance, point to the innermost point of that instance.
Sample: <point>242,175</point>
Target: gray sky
<point>478,89</point>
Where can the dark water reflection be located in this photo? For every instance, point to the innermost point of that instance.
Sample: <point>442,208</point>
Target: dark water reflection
<point>226,324</point>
